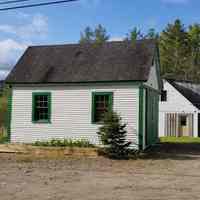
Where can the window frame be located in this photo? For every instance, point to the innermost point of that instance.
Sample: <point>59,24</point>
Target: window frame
<point>183,118</point>
<point>110,103</point>
<point>163,98</point>
<point>47,121</point>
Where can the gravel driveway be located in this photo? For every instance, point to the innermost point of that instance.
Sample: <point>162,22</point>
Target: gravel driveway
<point>173,172</point>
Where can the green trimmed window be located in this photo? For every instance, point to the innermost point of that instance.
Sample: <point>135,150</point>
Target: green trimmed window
<point>101,103</point>
<point>41,107</point>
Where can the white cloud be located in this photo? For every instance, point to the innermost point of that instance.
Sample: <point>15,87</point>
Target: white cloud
<point>113,39</point>
<point>26,28</point>
<point>10,50</point>
<point>38,26</point>
<point>176,1</point>
<point>3,74</point>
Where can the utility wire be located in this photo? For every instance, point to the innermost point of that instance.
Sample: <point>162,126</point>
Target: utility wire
<point>37,5</point>
<point>12,1</point>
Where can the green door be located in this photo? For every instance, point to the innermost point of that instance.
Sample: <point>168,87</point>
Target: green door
<point>152,100</point>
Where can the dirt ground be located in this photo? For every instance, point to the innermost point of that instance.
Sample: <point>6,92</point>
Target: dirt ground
<point>173,172</point>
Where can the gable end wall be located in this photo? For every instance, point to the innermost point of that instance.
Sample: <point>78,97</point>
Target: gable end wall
<point>176,103</point>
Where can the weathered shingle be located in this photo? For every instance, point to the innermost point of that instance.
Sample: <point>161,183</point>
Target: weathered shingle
<point>112,61</point>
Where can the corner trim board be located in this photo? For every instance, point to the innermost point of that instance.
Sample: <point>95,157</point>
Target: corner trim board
<point>141,106</point>
<point>9,116</point>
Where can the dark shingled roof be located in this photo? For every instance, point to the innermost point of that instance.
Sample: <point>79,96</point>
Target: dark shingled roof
<point>71,63</point>
<point>189,90</point>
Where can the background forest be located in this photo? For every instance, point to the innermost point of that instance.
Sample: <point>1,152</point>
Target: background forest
<point>179,47</point>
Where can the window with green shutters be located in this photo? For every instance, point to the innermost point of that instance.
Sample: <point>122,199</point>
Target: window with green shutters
<point>41,107</point>
<point>101,103</point>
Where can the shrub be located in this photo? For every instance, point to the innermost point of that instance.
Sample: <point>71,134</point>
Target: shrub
<point>64,143</point>
<point>3,139</point>
<point>113,136</point>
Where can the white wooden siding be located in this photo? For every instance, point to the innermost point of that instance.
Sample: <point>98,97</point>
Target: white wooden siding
<point>71,112</point>
<point>153,78</point>
<point>176,103</point>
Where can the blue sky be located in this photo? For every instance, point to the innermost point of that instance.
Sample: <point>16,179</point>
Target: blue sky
<point>63,23</point>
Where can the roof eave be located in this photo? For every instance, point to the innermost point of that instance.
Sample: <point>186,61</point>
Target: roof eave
<point>80,82</point>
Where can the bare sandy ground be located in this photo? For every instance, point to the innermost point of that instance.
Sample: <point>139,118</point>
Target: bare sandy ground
<point>171,174</point>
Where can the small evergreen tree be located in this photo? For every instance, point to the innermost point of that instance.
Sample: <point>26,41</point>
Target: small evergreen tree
<point>113,135</point>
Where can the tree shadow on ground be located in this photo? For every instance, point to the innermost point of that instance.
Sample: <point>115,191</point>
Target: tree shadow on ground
<point>174,151</point>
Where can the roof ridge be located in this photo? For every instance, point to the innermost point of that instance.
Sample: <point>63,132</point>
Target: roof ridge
<point>88,44</point>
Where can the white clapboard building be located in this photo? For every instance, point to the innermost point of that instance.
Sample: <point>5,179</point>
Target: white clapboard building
<point>179,109</point>
<point>62,91</point>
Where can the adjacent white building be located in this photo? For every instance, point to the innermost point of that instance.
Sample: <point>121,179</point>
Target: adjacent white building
<point>179,109</point>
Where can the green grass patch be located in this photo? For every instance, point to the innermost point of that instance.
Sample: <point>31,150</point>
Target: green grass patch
<point>64,143</point>
<point>3,139</point>
<point>183,140</point>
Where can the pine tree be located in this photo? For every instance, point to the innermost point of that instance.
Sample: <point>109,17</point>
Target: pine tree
<point>152,34</point>
<point>87,36</point>
<point>98,36</point>
<point>134,35</point>
<point>113,135</point>
<point>174,50</point>
<point>194,43</point>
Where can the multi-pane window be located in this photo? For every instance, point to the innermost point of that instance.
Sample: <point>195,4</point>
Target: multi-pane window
<point>102,103</point>
<point>41,107</point>
<point>164,95</point>
<point>183,120</point>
